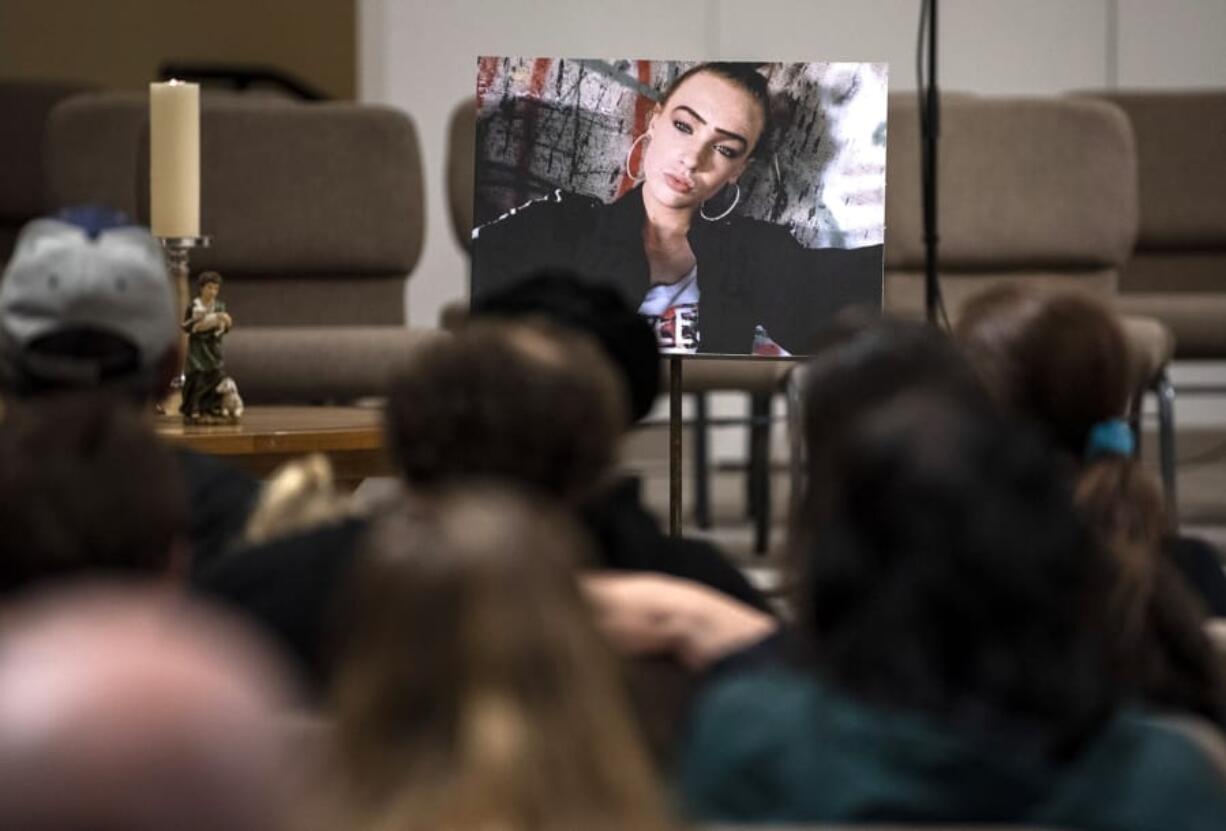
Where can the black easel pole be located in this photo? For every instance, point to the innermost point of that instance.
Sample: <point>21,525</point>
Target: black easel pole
<point>674,446</point>
<point>930,123</point>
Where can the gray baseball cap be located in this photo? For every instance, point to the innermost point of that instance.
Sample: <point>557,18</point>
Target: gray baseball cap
<point>66,277</point>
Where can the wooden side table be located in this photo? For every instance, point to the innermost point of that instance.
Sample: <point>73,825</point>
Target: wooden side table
<point>267,437</point>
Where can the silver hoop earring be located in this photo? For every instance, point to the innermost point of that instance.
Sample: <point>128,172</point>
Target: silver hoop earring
<point>630,153</point>
<point>735,199</point>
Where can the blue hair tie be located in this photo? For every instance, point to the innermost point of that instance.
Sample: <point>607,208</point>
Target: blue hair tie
<point>1110,438</point>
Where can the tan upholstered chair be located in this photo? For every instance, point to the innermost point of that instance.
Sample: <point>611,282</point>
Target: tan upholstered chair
<point>1177,273</point>
<point>1035,189</point>
<point>24,106</point>
<point>1040,190</point>
<point>316,216</point>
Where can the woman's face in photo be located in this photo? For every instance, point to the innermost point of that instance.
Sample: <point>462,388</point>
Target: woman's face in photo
<point>700,140</point>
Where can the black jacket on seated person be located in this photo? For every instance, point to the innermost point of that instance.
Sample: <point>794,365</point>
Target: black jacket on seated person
<point>628,538</point>
<point>290,587</point>
<point>220,498</point>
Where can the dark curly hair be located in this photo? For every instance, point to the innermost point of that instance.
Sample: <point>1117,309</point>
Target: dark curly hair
<point>530,404</point>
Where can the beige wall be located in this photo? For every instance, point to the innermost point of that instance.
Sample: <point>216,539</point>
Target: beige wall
<point>1001,47</point>
<point>120,43</point>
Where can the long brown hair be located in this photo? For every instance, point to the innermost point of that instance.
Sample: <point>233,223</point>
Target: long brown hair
<point>474,691</point>
<point>1061,359</point>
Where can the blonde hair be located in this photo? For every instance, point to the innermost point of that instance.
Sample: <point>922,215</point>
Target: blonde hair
<point>473,690</point>
<point>298,496</point>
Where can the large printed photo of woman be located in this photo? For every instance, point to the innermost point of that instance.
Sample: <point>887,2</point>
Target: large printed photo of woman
<point>737,206</point>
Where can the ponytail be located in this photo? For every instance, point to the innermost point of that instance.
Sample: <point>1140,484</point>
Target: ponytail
<point>1122,502</point>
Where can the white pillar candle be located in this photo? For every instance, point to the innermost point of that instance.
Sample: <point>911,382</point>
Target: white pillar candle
<point>174,159</point>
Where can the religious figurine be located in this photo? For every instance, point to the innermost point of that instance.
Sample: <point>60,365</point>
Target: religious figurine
<point>209,394</point>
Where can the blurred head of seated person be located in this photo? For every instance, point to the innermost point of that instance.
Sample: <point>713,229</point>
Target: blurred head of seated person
<point>894,404</point>
<point>1061,361</point>
<point>860,361</point>
<point>955,603</point>
<point>86,488</point>
<point>627,535</point>
<point>473,689</point>
<point>531,405</point>
<point>136,710</point>
<point>562,298</point>
<point>86,303</point>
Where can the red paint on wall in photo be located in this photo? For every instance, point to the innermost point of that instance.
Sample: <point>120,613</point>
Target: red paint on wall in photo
<point>642,113</point>
<point>487,70</point>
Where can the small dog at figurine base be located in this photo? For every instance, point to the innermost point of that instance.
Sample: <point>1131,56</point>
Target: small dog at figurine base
<point>222,405</point>
<point>231,402</point>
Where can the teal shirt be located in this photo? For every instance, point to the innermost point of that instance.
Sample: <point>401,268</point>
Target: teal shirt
<point>780,747</point>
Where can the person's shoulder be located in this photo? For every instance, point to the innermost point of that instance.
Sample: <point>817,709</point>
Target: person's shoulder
<point>1186,747</point>
<point>754,710</point>
<point>557,206</point>
<point>1148,772</point>
<point>745,746</point>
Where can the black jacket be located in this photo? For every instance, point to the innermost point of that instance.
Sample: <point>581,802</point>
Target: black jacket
<point>749,272</point>
<point>290,587</point>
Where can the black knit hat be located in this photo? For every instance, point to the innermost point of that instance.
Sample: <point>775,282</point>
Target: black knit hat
<point>562,298</point>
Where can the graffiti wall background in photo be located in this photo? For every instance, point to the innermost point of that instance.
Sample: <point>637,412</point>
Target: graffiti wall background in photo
<point>547,123</point>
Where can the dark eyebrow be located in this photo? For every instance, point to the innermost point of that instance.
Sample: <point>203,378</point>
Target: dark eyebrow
<point>719,130</point>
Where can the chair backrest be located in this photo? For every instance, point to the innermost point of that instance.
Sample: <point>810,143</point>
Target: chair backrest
<point>461,169</point>
<point>1041,189</point>
<point>1204,735</point>
<point>315,210</point>
<point>24,106</point>
<point>1180,137</point>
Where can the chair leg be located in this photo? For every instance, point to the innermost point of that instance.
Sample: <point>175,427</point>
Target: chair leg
<point>796,443</point>
<point>1165,391</point>
<point>762,522</point>
<point>751,458</point>
<point>759,469</point>
<point>701,462</point>
<point>1134,418</point>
